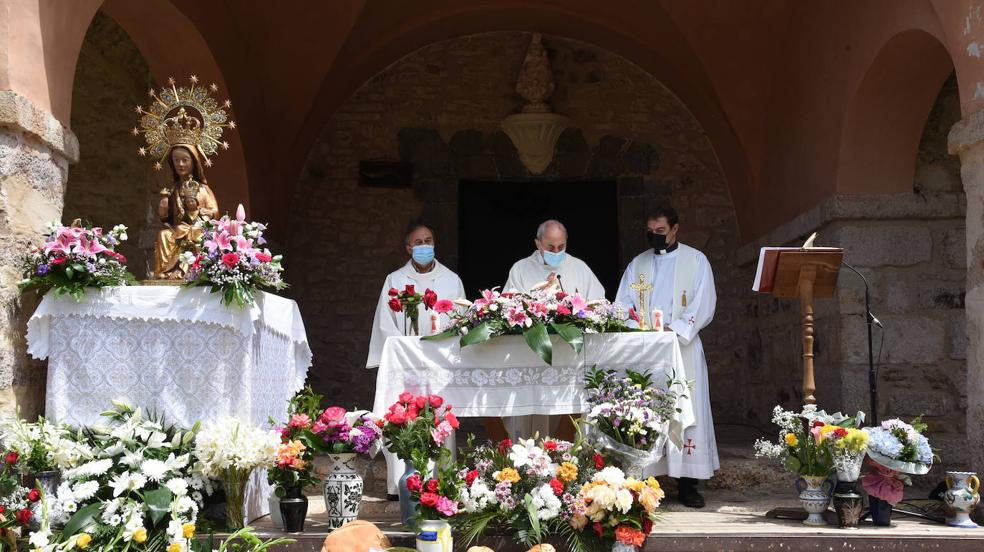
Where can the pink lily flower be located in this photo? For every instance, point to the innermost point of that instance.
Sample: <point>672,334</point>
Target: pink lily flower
<point>88,248</point>
<point>578,304</point>
<point>489,297</point>
<point>517,317</point>
<point>244,245</point>
<point>221,241</point>
<point>63,243</point>
<point>241,213</point>
<point>539,309</point>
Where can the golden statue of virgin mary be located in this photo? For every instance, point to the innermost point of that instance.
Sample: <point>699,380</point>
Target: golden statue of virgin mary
<point>183,125</point>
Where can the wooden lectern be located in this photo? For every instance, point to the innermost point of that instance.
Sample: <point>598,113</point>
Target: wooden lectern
<point>806,274</point>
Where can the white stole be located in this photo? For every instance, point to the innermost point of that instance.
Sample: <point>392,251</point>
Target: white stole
<point>684,280</point>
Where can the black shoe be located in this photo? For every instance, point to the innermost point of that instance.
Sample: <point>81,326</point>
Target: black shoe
<point>392,497</point>
<point>689,496</point>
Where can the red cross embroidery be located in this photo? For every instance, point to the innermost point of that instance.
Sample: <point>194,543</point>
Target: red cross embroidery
<point>690,447</point>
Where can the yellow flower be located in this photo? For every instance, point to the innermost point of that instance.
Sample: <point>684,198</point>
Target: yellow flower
<point>567,472</point>
<point>827,429</point>
<point>188,530</point>
<point>791,439</point>
<point>634,485</point>
<point>650,498</point>
<point>82,541</point>
<point>140,535</point>
<point>174,547</point>
<point>653,484</point>
<point>508,474</point>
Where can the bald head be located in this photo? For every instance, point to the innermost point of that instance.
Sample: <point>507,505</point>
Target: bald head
<point>551,235</point>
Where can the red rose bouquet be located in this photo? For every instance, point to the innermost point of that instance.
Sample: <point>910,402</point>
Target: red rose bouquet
<point>408,301</point>
<point>15,501</point>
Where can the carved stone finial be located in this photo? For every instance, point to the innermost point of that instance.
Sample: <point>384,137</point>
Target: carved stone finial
<point>536,83</point>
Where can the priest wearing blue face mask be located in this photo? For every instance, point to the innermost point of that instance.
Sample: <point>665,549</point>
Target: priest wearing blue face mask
<point>551,261</point>
<point>423,272</point>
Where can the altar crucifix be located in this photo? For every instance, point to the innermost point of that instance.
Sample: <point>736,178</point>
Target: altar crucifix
<point>643,289</point>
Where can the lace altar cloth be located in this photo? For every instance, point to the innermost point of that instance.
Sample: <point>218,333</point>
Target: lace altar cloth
<point>175,351</point>
<point>503,377</point>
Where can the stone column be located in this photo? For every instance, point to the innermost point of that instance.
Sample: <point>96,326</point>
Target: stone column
<point>966,139</point>
<point>35,151</point>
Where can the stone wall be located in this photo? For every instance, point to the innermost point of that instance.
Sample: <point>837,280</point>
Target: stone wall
<point>440,109</point>
<point>911,249</point>
<point>35,151</point>
<point>111,184</point>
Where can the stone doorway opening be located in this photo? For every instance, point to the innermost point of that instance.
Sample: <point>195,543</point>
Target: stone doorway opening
<point>588,208</point>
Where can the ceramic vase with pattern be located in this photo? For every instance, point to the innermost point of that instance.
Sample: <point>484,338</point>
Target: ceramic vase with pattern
<point>293,509</point>
<point>961,496</point>
<point>814,495</point>
<point>434,536</point>
<point>848,505</point>
<point>343,490</point>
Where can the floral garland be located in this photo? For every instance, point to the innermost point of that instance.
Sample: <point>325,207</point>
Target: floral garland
<point>534,314</point>
<point>74,258</point>
<point>229,260</point>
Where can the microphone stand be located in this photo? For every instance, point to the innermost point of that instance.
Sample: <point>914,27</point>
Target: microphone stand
<point>872,371</point>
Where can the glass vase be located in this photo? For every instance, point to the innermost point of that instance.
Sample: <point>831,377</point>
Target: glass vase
<point>234,485</point>
<point>411,324</point>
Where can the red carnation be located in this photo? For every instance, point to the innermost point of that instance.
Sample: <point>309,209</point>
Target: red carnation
<point>395,305</point>
<point>435,401</point>
<point>505,445</point>
<point>405,397</point>
<point>34,495</point>
<point>429,499</point>
<point>409,289</point>
<point>412,412</point>
<point>57,261</point>
<point>563,311</point>
<point>392,292</point>
<point>599,461</point>
<point>470,477</point>
<point>647,526</point>
<point>263,257</point>
<point>452,419</point>
<point>598,529</point>
<point>561,295</point>
<point>11,457</point>
<point>413,482</point>
<point>2,509</point>
<point>550,445</point>
<point>840,432</point>
<point>230,259</point>
<point>24,516</point>
<point>557,486</point>
<point>432,485</point>
<point>420,401</point>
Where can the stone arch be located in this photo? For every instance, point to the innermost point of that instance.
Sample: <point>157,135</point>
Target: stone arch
<point>888,112</point>
<point>656,45</point>
<point>439,109</point>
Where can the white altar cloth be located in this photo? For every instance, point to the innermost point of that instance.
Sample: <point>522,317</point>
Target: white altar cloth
<point>175,351</point>
<point>503,377</point>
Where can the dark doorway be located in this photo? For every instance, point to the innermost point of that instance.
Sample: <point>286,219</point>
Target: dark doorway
<point>498,220</point>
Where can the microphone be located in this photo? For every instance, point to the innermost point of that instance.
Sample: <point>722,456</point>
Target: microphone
<point>560,283</point>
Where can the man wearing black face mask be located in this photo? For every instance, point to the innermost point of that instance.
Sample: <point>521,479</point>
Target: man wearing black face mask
<point>678,281</point>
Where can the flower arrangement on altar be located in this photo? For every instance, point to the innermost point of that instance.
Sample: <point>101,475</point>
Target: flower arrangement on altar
<point>230,260</point>
<point>527,488</point>
<point>229,450</point>
<point>415,428</point>
<point>628,416</point>
<point>534,314</point>
<point>137,489</point>
<point>298,445</point>
<point>614,508</point>
<point>74,258</point>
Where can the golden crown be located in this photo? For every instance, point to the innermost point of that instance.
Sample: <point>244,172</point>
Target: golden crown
<point>187,116</point>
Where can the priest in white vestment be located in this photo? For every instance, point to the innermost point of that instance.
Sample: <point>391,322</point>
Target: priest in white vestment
<point>550,261</point>
<point>551,258</point>
<point>423,272</point>
<point>683,288</point>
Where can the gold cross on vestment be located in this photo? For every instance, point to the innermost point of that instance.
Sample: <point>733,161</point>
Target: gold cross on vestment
<point>642,288</point>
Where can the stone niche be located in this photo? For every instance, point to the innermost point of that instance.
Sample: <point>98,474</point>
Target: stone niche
<point>439,109</point>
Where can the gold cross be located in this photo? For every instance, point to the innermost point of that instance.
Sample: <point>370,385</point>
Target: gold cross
<point>642,288</point>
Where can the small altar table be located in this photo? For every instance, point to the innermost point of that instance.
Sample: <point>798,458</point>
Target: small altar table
<point>503,377</point>
<point>175,351</point>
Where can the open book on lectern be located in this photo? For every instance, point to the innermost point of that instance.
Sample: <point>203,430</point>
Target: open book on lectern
<point>765,274</point>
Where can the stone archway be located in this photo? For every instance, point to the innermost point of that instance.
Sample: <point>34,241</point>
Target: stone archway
<point>439,110</point>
